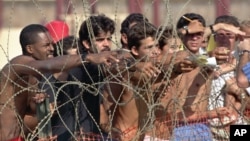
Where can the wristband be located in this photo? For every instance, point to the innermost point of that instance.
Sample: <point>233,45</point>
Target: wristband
<point>243,51</point>
<point>186,29</point>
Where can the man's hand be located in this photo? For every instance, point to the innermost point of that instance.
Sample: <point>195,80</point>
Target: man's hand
<point>222,54</point>
<point>220,112</point>
<point>106,57</point>
<point>244,44</point>
<point>195,27</point>
<point>39,97</point>
<point>147,68</point>
<point>229,27</point>
<point>234,89</point>
<point>184,66</point>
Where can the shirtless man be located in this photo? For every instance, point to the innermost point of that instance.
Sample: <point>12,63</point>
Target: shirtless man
<point>127,23</point>
<point>168,42</point>
<point>123,95</point>
<point>193,31</point>
<point>129,95</point>
<point>20,76</point>
<point>186,99</point>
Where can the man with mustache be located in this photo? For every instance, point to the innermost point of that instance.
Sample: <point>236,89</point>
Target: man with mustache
<point>20,77</point>
<point>95,36</point>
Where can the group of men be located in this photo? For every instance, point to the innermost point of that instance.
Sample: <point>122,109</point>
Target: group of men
<point>153,88</point>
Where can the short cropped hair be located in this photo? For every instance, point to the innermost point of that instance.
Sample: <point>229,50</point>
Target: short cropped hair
<point>192,16</point>
<point>139,32</point>
<point>65,44</point>
<point>29,35</point>
<point>227,19</point>
<point>131,18</point>
<point>167,33</point>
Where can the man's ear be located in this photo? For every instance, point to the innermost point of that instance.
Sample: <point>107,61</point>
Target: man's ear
<point>86,44</point>
<point>29,49</point>
<point>134,51</point>
<point>124,38</point>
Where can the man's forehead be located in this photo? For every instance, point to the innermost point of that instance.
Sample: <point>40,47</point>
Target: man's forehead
<point>44,37</point>
<point>148,41</point>
<point>103,34</point>
<point>224,31</point>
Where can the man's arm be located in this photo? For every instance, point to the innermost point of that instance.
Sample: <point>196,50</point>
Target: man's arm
<point>195,27</point>
<point>242,80</point>
<point>28,65</point>
<point>213,28</point>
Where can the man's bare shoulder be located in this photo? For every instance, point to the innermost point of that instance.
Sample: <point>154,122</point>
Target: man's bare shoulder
<point>22,59</point>
<point>18,64</point>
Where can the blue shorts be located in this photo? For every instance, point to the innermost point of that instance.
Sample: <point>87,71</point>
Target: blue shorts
<point>192,132</point>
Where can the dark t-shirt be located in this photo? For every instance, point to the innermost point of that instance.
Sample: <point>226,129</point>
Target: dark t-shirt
<point>63,121</point>
<point>87,96</point>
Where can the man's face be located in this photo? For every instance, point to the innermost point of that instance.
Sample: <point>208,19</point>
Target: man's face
<point>147,50</point>
<point>43,48</point>
<point>124,39</point>
<point>103,42</point>
<point>224,38</point>
<point>172,45</point>
<point>193,41</point>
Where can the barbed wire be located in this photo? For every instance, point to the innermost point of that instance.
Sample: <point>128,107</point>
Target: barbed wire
<point>144,95</point>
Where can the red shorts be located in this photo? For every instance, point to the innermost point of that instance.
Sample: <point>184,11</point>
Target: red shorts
<point>17,139</point>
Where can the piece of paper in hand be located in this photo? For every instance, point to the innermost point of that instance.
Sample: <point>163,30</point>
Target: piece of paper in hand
<point>198,59</point>
<point>211,44</point>
<point>211,61</point>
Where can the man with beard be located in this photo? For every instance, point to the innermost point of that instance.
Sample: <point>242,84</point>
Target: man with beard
<point>19,78</point>
<point>95,36</point>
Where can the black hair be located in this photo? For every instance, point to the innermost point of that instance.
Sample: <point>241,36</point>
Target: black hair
<point>131,18</point>
<point>192,16</point>
<point>166,33</point>
<point>227,19</point>
<point>94,25</point>
<point>139,32</point>
<point>29,35</point>
<point>65,44</point>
